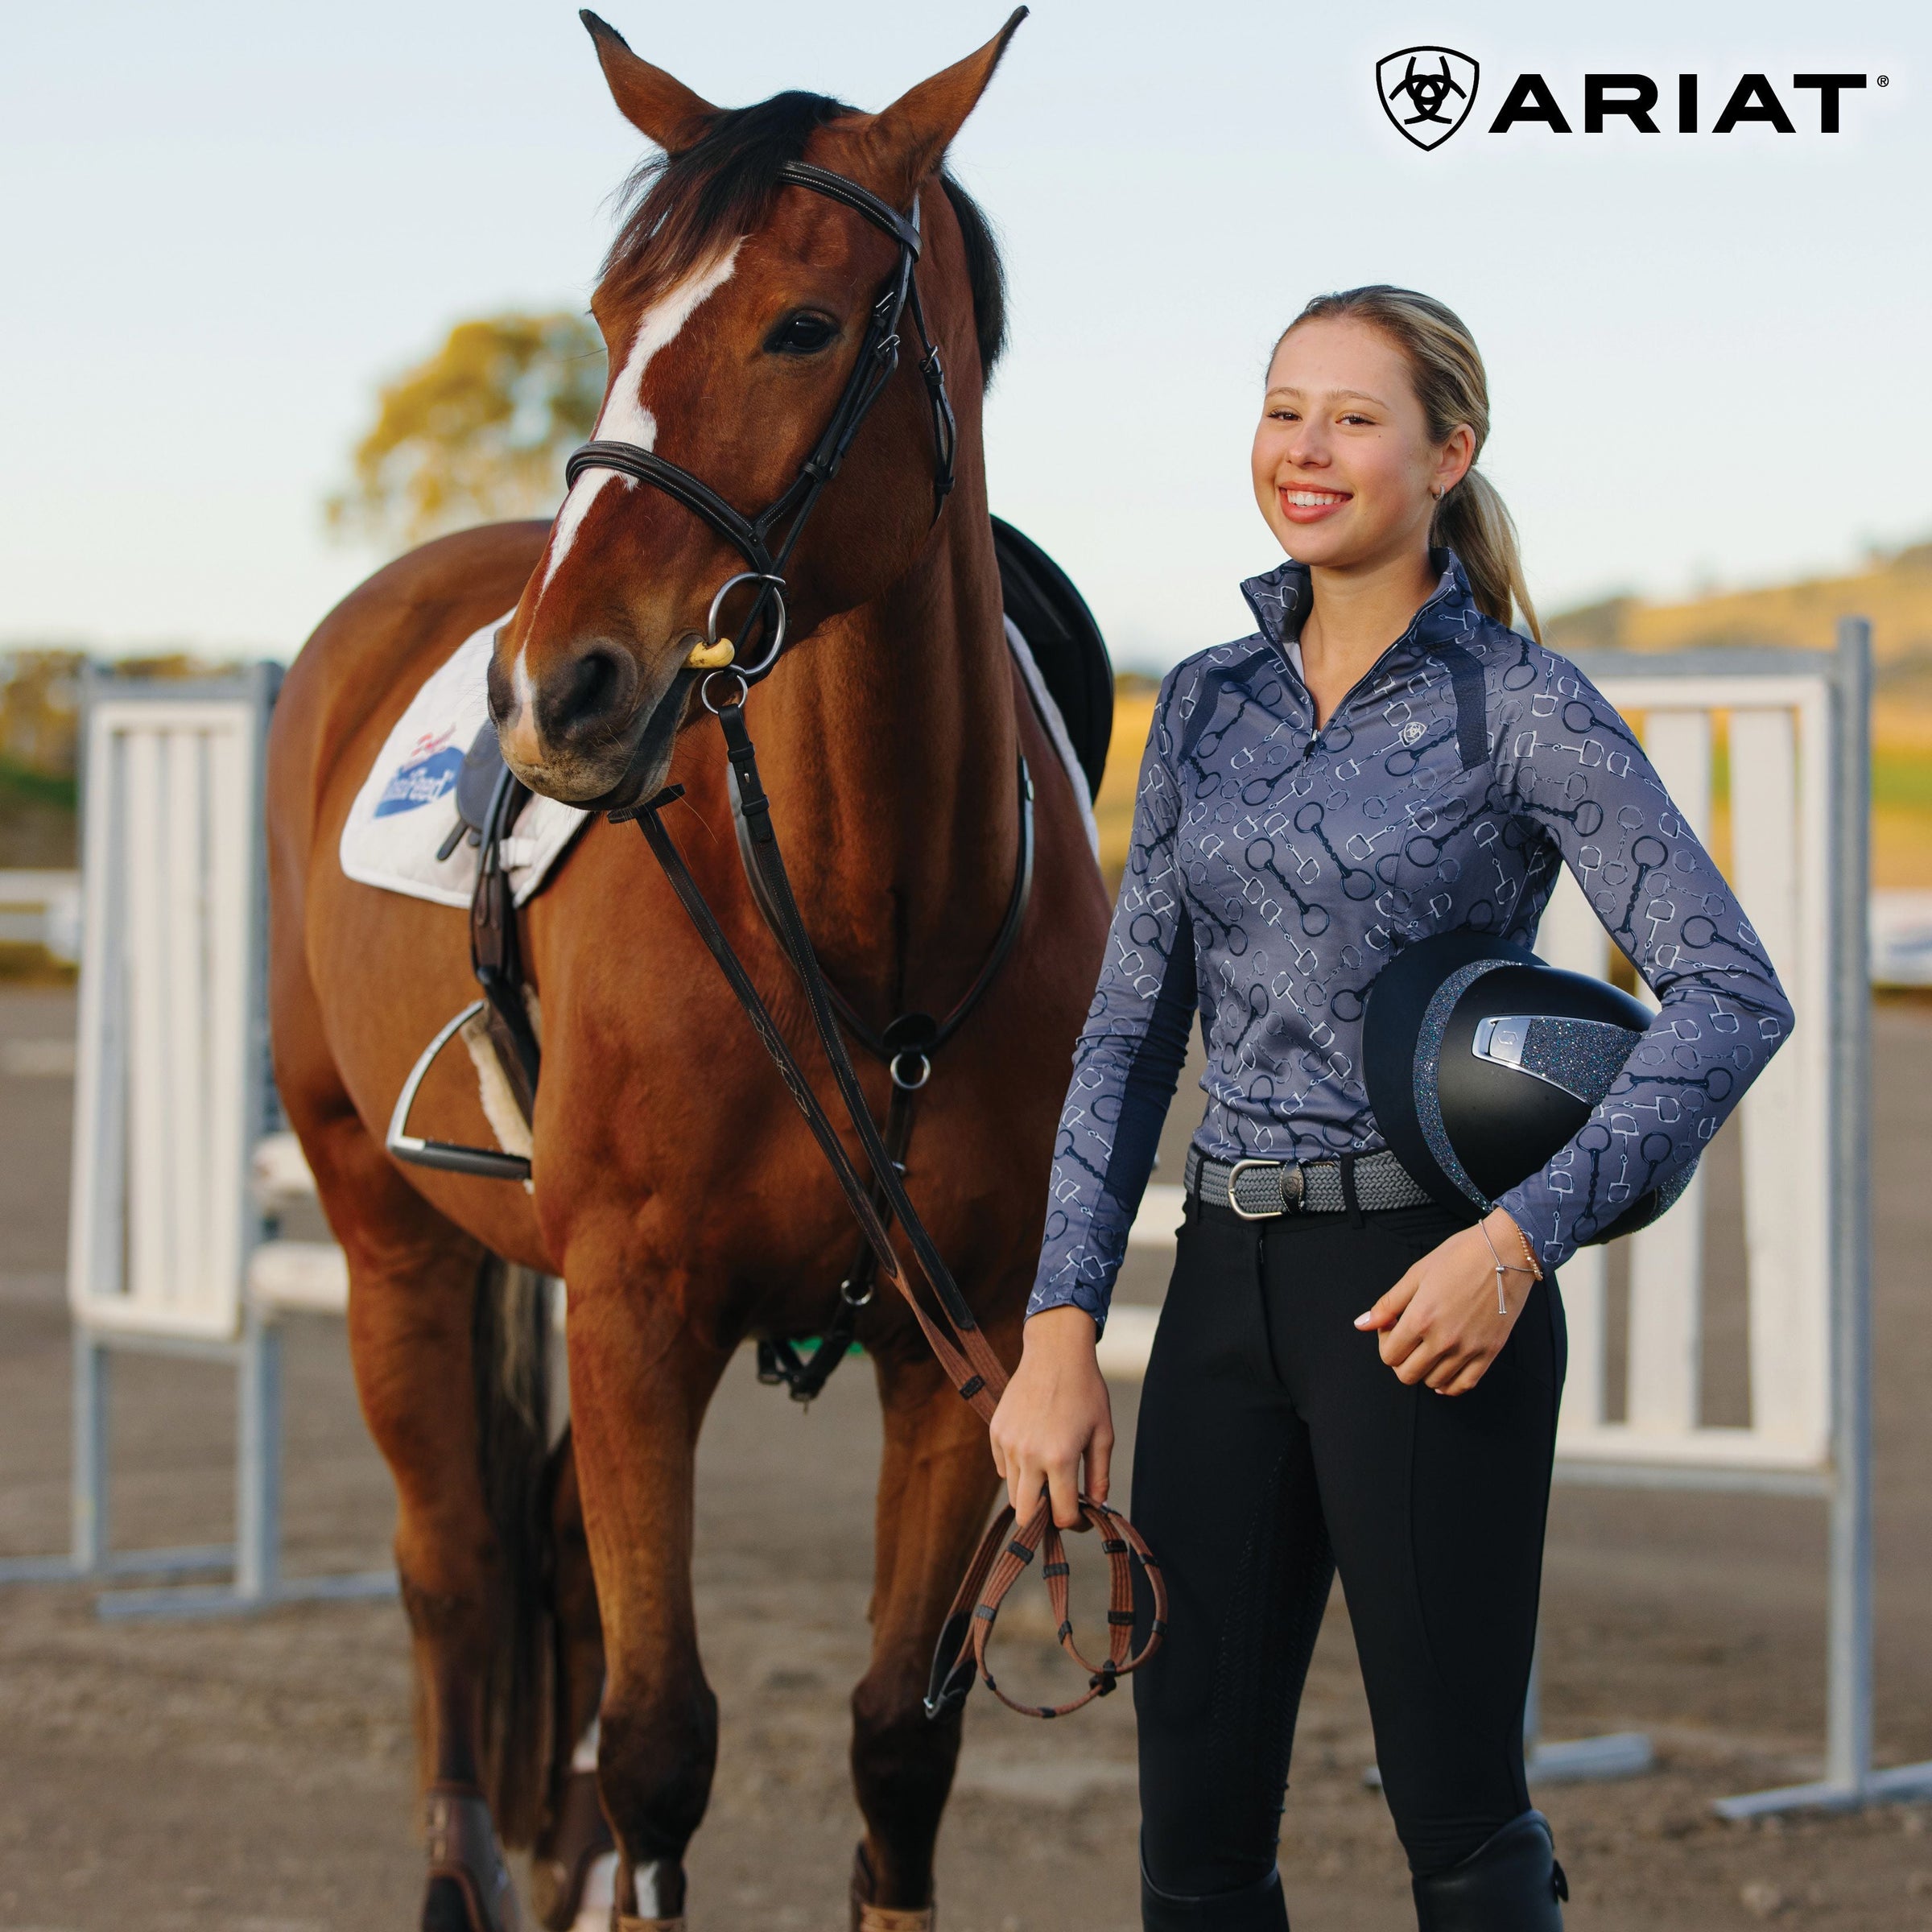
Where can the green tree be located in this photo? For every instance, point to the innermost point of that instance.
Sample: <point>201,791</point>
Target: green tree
<point>477,431</point>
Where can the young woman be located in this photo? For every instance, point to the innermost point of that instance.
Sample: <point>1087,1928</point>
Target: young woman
<point>1335,1388</point>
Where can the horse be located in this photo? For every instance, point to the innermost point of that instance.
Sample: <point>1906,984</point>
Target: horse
<point>672,1186</point>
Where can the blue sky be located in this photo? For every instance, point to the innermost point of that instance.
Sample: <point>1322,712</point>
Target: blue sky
<point>221,224</point>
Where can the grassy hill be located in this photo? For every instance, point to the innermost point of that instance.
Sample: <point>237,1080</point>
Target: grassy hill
<point>1895,591</point>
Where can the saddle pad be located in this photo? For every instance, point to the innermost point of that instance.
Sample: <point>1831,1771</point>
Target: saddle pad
<point>407,805</point>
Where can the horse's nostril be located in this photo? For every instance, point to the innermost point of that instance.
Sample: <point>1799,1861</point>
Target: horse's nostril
<point>589,694</point>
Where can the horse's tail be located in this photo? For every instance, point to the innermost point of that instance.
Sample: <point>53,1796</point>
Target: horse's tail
<point>510,1350</point>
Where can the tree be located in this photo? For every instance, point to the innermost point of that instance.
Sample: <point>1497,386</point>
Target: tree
<point>477,431</point>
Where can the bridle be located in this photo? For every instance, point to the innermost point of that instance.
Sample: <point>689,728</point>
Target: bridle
<point>877,1198</point>
<point>767,542</point>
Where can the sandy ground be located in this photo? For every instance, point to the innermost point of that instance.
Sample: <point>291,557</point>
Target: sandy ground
<point>254,1776</point>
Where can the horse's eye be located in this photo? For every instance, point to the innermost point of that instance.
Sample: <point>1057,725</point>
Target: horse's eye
<point>801,334</point>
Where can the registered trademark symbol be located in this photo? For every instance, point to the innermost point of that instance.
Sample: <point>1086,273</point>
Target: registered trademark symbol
<point>1884,80</point>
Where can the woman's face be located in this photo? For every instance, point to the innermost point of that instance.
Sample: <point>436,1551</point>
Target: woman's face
<point>1344,467</point>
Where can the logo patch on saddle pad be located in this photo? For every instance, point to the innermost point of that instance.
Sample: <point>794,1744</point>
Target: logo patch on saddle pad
<point>431,769</point>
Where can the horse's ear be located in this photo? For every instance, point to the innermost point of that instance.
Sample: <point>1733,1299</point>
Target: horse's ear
<point>661,109</point>
<point>908,140</point>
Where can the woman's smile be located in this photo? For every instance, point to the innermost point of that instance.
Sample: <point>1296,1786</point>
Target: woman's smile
<point>1302,504</point>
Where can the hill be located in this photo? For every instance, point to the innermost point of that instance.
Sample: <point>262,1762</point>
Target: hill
<point>1894,590</point>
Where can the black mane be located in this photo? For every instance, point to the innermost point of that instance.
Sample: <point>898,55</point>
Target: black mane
<point>680,208</point>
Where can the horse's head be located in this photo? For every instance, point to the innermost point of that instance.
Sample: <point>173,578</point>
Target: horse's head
<point>735,306</point>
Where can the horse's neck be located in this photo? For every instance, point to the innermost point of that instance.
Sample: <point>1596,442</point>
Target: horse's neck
<point>894,779</point>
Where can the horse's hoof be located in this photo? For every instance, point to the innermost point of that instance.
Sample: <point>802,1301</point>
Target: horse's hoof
<point>626,1923</point>
<point>866,1917</point>
<point>576,1837</point>
<point>470,1885</point>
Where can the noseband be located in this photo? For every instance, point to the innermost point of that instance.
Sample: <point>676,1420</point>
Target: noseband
<point>767,542</point>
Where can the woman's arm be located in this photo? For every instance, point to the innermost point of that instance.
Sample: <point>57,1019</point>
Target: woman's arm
<point>1055,1411</point>
<point>1572,766</point>
<point>1127,1057</point>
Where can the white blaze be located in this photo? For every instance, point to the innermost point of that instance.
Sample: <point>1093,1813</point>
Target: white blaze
<point>624,418</point>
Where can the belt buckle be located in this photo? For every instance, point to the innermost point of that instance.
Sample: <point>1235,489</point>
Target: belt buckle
<point>1288,1191</point>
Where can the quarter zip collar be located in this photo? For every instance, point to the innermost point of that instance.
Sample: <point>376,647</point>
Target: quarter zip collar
<point>1282,598</point>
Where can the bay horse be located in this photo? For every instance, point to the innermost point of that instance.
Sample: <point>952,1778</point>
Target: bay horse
<point>673,1188</point>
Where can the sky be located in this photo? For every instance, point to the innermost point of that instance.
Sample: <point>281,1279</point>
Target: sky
<point>222,225</point>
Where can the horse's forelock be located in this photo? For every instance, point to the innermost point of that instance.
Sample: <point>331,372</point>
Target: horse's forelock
<point>686,208</point>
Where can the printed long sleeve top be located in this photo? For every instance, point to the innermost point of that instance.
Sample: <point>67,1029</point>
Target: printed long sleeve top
<point>1275,869</point>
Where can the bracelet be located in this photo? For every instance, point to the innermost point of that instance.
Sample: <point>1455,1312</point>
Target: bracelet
<point>1536,1267</point>
<point>1504,1267</point>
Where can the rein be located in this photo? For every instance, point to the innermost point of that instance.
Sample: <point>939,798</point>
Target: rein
<point>766,543</point>
<point>954,1335</point>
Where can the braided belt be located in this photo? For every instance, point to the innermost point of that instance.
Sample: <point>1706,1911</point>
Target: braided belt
<point>1258,1191</point>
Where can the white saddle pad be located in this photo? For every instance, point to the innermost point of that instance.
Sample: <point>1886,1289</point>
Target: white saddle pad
<point>407,805</point>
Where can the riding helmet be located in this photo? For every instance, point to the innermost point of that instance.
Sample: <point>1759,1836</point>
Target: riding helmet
<point>1481,1061</point>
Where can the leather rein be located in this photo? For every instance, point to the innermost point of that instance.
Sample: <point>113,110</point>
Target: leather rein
<point>950,1329</point>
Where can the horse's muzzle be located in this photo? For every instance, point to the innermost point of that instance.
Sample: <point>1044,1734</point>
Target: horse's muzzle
<point>588,733</point>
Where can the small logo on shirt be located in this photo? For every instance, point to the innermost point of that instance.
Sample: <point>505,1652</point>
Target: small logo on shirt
<point>1411,732</point>
<point>1427,92</point>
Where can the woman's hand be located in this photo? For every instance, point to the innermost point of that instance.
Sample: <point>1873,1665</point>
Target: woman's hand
<point>1054,1414</point>
<point>1439,1323</point>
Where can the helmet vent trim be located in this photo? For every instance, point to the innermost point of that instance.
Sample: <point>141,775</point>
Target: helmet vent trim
<point>1582,1057</point>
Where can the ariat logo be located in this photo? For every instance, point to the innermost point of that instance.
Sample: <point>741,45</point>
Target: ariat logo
<point>1411,732</point>
<point>1428,92</point>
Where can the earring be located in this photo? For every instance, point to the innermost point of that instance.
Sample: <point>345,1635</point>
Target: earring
<point>1436,490</point>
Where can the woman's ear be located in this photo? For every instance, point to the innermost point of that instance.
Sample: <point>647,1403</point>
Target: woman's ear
<point>1454,461</point>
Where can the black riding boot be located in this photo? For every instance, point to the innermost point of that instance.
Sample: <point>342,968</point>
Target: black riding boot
<point>1510,1884</point>
<point>1256,1908</point>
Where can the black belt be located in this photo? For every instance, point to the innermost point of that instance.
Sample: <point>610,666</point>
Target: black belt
<point>1258,1191</point>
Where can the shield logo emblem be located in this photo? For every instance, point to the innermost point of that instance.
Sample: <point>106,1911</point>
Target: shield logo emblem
<point>1426,91</point>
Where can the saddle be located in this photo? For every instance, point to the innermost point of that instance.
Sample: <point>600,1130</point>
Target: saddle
<point>1052,616</point>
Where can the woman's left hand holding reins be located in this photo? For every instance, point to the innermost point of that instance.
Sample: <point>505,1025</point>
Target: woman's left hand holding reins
<point>1440,1324</point>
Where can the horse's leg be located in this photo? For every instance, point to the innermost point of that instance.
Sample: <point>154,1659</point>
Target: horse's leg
<point>640,1381</point>
<point>413,1332</point>
<point>574,1848</point>
<point>936,1485</point>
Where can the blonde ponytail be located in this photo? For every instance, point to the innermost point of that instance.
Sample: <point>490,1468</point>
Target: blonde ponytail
<point>1452,387</point>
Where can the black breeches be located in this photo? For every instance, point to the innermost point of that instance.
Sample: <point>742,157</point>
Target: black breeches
<point>1273,1447</point>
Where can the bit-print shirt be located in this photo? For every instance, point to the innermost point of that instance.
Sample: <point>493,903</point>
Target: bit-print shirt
<point>1275,869</point>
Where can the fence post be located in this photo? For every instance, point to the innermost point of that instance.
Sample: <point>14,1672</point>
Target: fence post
<point>1849,1743</point>
<point>92,1380</point>
<point>258,1462</point>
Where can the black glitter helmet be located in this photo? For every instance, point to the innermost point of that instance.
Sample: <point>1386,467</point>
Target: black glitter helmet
<point>1481,1061</point>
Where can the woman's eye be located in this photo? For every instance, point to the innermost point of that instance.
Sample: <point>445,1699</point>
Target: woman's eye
<point>803,334</point>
